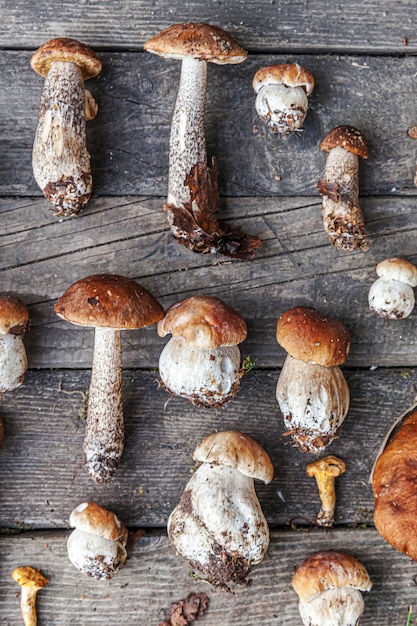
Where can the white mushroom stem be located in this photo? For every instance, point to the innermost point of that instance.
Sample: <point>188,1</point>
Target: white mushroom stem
<point>13,362</point>
<point>104,433</point>
<point>60,159</point>
<point>28,605</point>
<point>333,607</point>
<point>391,299</point>
<point>283,108</point>
<point>187,142</point>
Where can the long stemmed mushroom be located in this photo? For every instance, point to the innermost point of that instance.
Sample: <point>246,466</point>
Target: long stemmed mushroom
<point>192,201</point>
<point>30,581</point>
<point>109,303</point>
<point>60,160</point>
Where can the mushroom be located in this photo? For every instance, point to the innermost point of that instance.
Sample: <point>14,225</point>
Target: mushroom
<point>60,159</point>
<point>218,525</point>
<point>202,360</point>
<point>30,581</point>
<point>192,201</point>
<point>325,471</point>
<point>342,216</point>
<point>109,303</point>
<point>312,392</point>
<point>14,322</point>
<point>329,586</point>
<point>97,545</point>
<point>392,296</point>
<point>282,96</point>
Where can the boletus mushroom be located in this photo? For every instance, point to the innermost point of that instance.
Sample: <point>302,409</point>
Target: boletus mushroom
<point>192,202</point>
<point>14,322</point>
<point>392,296</point>
<point>329,586</point>
<point>312,392</point>
<point>218,525</point>
<point>202,360</point>
<point>110,304</point>
<point>60,159</point>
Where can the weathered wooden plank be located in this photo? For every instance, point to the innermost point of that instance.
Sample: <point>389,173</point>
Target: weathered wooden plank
<point>309,26</point>
<point>154,576</point>
<point>43,473</point>
<point>129,137</point>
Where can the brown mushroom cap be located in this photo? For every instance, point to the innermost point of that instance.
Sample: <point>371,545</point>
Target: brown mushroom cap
<point>398,269</point>
<point>329,570</point>
<point>313,338</point>
<point>92,518</point>
<point>27,576</point>
<point>200,41</point>
<point>108,301</point>
<point>14,315</point>
<point>349,138</point>
<point>69,50</point>
<point>204,322</point>
<point>289,74</point>
<point>236,450</point>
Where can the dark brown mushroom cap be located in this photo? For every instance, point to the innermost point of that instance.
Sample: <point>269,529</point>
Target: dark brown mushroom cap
<point>64,49</point>
<point>92,518</point>
<point>108,301</point>
<point>200,41</point>
<point>289,74</point>
<point>204,322</point>
<point>329,570</point>
<point>394,484</point>
<point>14,315</point>
<point>236,450</point>
<point>313,338</point>
<point>349,138</point>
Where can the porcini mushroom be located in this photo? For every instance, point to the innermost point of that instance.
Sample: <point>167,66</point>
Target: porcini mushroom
<point>108,303</point>
<point>282,96</point>
<point>60,159</point>
<point>202,360</point>
<point>325,471</point>
<point>97,545</point>
<point>343,219</point>
<point>192,201</point>
<point>312,392</point>
<point>392,296</point>
<point>14,322</point>
<point>329,586</point>
<point>31,581</point>
<point>218,525</point>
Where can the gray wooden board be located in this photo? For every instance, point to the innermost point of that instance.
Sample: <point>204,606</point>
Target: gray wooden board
<point>128,139</point>
<point>372,25</point>
<point>42,465</point>
<point>154,576</point>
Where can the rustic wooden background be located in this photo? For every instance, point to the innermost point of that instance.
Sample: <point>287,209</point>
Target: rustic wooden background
<point>362,54</point>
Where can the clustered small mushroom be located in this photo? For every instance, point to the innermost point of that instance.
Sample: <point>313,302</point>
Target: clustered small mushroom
<point>282,96</point>
<point>312,392</point>
<point>202,359</point>
<point>60,160</point>
<point>329,586</point>
<point>392,296</point>
<point>97,545</point>
<point>109,303</point>
<point>343,219</point>
<point>31,581</point>
<point>218,525</point>
<point>325,471</point>
<point>14,322</point>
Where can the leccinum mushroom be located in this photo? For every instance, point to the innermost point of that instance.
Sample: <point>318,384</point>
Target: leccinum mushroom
<point>282,96</point>
<point>60,160</point>
<point>325,471</point>
<point>14,322</point>
<point>329,586</point>
<point>312,392</point>
<point>202,360</point>
<point>192,201</point>
<point>342,216</point>
<point>392,295</point>
<point>218,525</point>
<point>30,581</point>
<point>109,303</point>
<point>97,545</point>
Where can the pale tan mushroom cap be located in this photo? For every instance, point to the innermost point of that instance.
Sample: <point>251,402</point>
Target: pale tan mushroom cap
<point>288,74</point>
<point>14,315</point>
<point>27,576</point>
<point>204,322</point>
<point>92,518</point>
<point>329,570</point>
<point>200,41</point>
<point>108,301</point>
<point>327,466</point>
<point>69,50</point>
<point>347,137</point>
<point>236,450</point>
<point>398,269</point>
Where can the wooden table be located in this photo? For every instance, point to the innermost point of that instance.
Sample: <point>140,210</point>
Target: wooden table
<point>362,54</point>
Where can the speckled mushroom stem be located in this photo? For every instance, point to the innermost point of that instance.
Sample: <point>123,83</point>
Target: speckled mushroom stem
<point>104,434</point>
<point>60,159</point>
